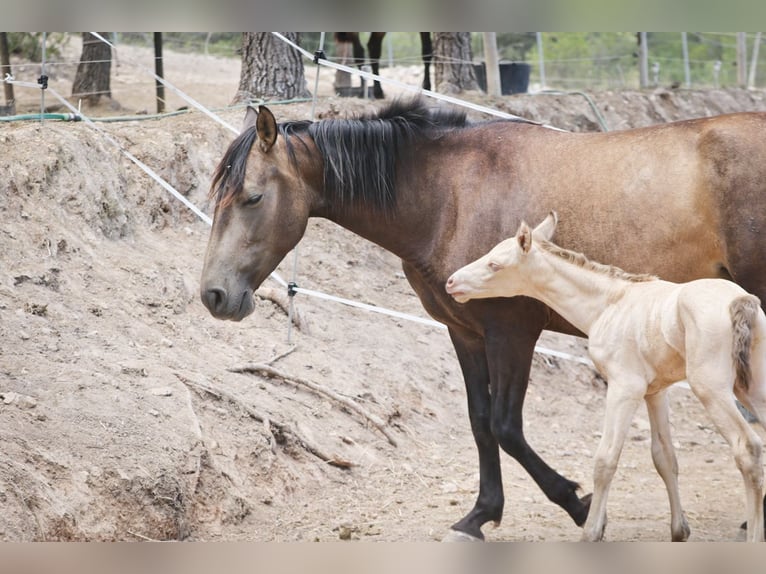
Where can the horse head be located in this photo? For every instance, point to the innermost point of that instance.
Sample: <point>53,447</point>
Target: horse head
<point>262,208</point>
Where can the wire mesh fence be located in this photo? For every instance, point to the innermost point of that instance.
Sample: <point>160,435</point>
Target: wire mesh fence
<point>569,61</point>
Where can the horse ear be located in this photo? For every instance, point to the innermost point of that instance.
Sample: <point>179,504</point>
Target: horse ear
<point>266,126</point>
<point>524,237</point>
<point>547,227</point>
<point>250,118</point>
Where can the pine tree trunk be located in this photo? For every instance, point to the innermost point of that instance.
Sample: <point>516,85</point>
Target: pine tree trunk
<point>93,72</point>
<point>271,69</point>
<point>453,68</point>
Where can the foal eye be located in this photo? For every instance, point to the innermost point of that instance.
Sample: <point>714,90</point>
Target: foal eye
<point>253,199</point>
<point>494,267</point>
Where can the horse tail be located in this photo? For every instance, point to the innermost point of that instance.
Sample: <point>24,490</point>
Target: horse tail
<point>744,311</point>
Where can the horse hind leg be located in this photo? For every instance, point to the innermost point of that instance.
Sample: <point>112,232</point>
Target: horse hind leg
<point>664,457</point>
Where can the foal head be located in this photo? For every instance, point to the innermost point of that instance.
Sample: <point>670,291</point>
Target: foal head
<point>496,273</point>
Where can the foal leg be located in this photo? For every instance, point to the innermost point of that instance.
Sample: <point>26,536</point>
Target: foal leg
<point>754,398</point>
<point>623,396</point>
<point>744,442</point>
<point>664,457</point>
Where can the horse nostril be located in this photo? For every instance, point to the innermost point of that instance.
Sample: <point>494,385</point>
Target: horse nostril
<point>214,298</point>
<point>450,281</point>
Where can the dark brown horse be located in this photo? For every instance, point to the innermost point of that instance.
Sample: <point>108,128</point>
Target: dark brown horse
<point>375,48</point>
<point>682,201</point>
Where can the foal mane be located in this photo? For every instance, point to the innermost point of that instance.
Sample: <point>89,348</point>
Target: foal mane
<point>581,260</point>
<point>360,154</point>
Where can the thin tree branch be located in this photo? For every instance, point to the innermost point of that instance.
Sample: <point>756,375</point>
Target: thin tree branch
<point>269,371</point>
<point>270,424</point>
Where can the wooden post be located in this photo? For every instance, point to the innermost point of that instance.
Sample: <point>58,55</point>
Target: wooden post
<point>643,60</point>
<point>492,64</point>
<point>5,68</point>
<point>160,88</point>
<point>541,59</point>
<point>754,61</point>
<point>741,59</point>
<point>685,51</point>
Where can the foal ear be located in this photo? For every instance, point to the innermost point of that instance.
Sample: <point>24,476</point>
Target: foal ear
<point>547,227</point>
<point>524,237</point>
<point>266,126</point>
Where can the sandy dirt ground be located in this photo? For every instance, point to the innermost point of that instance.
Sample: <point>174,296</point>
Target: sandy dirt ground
<point>121,415</point>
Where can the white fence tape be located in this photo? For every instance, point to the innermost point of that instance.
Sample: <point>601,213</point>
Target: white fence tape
<point>409,87</point>
<point>205,218</point>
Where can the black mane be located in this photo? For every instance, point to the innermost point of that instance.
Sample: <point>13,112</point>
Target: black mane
<point>360,154</point>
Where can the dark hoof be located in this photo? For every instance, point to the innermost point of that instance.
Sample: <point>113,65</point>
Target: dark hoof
<point>458,536</point>
<point>467,528</point>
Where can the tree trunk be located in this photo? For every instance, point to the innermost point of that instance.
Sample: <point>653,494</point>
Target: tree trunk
<point>93,72</point>
<point>453,69</point>
<point>5,68</point>
<point>271,69</point>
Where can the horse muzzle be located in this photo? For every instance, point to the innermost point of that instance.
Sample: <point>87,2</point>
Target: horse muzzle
<point>223,306</point>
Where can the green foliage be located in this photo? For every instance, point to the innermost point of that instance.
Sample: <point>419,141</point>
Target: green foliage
<point>575,60</point>
<point>598,60</point>
<point>224,44</point>
<point>28,45</point>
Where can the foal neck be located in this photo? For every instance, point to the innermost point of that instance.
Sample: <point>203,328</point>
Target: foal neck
<point>577,289</point>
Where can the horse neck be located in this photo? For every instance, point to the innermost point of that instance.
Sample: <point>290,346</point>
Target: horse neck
<point>580,295</point>
<point>408,230</point>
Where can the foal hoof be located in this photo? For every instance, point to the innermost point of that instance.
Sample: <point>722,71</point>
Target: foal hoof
<point>458,536</point>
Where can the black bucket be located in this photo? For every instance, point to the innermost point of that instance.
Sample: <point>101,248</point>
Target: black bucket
<point>514,77</point>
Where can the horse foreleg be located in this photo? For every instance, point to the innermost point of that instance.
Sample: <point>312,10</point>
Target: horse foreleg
<point>664,457</point>
<point>489,504</point>
<point>510,358</point>
<point>375,49</point>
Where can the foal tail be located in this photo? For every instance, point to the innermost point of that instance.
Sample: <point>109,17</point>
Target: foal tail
<point>744,311</point>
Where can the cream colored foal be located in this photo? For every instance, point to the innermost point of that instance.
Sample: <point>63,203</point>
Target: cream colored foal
<point>644,334</point>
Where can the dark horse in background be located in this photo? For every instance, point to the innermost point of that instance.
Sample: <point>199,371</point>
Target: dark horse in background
<point>683,200</point>
<point>375,46</point>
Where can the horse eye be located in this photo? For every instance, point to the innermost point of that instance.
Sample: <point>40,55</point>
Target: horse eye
<point>253,199</point>
<point>494,267</point>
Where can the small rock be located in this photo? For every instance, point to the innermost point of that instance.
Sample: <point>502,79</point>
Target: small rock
<point>26,402</point>
<point>138,371</point>
<point>344,532</point>
<point>161,391</point>
<point>21,401</point>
